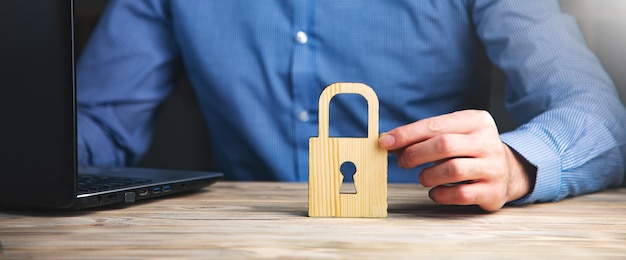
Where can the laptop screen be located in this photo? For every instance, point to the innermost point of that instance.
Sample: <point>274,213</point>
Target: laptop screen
<point>37,133</point>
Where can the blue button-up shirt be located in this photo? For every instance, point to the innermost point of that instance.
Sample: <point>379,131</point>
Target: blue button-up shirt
<point>258,68</point>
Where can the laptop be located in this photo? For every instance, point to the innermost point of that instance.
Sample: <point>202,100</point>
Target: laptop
<point>38,165</point>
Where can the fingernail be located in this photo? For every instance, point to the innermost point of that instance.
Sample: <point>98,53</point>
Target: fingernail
<point>386,140</point>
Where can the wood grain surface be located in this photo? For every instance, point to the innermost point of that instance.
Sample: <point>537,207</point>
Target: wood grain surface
<point>327,154</point>
<point>239,220</point>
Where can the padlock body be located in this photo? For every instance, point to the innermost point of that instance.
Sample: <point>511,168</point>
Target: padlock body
<point>326,154</point>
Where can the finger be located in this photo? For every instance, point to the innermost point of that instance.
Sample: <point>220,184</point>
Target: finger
<point>397,151</point>
<point>440,148</point>
<point>461,122</point>
<point>480,193</point>
<point>452,171</point>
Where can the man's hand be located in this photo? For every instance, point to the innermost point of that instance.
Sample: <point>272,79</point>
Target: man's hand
<point>471,165</point>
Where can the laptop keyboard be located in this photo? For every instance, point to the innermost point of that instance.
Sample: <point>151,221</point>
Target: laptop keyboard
<point>95,183</point>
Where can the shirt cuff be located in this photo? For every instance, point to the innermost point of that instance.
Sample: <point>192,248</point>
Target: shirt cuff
<point>540,155</point>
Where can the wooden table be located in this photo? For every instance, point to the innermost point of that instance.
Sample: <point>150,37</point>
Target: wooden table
<point>269,220</point>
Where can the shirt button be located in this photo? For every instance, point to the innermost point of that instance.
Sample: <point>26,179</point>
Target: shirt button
<point>301,37</point>
<point>303,116</point>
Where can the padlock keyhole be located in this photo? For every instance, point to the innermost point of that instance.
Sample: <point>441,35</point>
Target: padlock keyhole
<point>347,169</point>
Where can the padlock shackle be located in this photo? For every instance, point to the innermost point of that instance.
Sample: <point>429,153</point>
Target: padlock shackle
<point>348,88</point>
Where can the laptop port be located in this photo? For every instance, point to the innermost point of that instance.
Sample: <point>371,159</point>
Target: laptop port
<point>156,189</point>
<point>143,192</point>
<point>167,188</point>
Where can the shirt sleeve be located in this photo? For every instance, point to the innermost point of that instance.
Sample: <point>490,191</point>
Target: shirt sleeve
<point>571,119</point>
<point>125,71</point>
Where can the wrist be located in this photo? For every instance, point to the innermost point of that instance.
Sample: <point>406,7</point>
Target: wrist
<point>522,175</point>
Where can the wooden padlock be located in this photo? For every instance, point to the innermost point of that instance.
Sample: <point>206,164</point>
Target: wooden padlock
<point>327,154</point>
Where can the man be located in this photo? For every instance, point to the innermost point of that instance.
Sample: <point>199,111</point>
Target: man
<point>258,67</point>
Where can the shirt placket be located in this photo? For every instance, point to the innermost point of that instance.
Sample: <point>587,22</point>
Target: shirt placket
<point>303,83</point>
